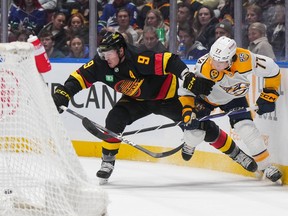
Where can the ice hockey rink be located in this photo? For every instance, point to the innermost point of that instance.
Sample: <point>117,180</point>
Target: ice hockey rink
<point>155,189</point>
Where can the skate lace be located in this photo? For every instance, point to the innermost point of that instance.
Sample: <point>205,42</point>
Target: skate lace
<point>243,159</point>
<point>106,167</point>
<point>188,149</point>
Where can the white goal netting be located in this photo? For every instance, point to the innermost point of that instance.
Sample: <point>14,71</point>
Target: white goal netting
<point>40,173</point>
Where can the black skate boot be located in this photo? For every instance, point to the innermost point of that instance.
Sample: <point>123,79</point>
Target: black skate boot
<point>106,169</point>
<point>244,160</point>
<point>187,152</point>
<point>273,174</point>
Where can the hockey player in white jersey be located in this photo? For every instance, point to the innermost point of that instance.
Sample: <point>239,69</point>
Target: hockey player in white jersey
<point>229,66</point>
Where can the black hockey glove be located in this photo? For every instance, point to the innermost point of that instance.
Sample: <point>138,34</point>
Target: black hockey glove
<point>266,101</point>
<point>61,97</point>
<point>197,85</point>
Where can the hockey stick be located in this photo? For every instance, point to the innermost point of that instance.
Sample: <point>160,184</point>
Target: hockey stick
<point>151,128</point>
<point>238,110</point>
<point>99,131</point>
<point>234,111</point>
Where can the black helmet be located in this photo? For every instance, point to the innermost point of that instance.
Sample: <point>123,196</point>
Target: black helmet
<point>111,40</point>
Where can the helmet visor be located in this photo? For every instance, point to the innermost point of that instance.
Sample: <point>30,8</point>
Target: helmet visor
<point>106,53</point>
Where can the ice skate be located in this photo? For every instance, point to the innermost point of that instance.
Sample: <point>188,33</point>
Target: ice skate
<point>273,174</point>
<point>105,171</point>
<point>187,152</point>
<point>245,161</point>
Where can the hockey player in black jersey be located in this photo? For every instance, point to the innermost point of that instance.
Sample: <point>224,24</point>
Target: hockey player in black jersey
<point>147,80</point>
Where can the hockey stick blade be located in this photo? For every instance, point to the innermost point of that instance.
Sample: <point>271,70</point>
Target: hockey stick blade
<point>97,129</point>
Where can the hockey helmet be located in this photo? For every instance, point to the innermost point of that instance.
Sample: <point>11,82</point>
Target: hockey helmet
<point>110,41</point>
<point>223,49</point>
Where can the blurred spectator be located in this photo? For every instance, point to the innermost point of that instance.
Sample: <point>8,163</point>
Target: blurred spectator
<point>154,18</point>
<point>49,6</point>
<point>102,4</point>
<point>209,3</point>
<point>47,39</point>
<point>23,35</point>
<point>70,7</point>
<point>204,26</point>
<point>76,26</point>
<point>226,8</point>
<point>258,41</point>
<point>123,19</point>
<point>56,27</point>
<point>268,9</point>
<point>78,48</point>
<point>253,14</point>
<point>223,28</point>
<point>139,4</point>
<point>108,18</point>
<point>151,40</point>
<point>128,37</point>
<point>276,32</point>
<point>29,14</point>
<point>183,14</point>
<point>162,5</point>
<point>194,6</point>
<point>193,49</point>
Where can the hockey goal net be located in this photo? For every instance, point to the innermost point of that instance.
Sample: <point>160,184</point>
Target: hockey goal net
<point>40,173</point>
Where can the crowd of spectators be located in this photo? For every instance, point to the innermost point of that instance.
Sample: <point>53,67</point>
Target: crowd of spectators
<point>63,25</point>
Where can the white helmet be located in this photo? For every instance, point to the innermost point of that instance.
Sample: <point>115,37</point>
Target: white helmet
<point>223,49</point>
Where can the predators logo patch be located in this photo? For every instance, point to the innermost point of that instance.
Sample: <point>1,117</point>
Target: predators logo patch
<point>214,74</point>
<point>129,87</point>
<point>243,57</point>
<point>239,89</point>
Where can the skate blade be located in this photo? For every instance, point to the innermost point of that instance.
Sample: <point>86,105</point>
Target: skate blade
<point>103,181</point>
<point>260,176</point>
<point>279,182</point>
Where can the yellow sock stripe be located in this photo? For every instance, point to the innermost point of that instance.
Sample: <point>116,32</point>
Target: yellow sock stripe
<point>262,156</point>
<point>110,146</point>
<point>227,145</point>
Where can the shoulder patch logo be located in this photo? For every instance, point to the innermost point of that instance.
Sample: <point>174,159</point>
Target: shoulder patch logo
<point>214,74</point>
<point>109,78</point>
<point>243,57</point>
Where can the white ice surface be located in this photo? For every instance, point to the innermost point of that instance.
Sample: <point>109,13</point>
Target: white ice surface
<point>155,189</point>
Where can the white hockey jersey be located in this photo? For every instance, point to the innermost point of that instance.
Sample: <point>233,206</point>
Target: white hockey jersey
<point>234,83</point>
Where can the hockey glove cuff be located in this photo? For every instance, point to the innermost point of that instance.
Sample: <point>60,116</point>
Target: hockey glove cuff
<point>61,97</point>
<point>266,101</point>
<point>197,85</point>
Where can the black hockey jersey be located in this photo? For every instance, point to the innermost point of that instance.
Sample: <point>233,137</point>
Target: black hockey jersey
<point>142,75</point>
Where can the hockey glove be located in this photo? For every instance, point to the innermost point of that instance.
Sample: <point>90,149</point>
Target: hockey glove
<point>188,116</point>
<point>197,85</point>
<point>266,101</point>
<point>61,97</point>
<point>189,119</point>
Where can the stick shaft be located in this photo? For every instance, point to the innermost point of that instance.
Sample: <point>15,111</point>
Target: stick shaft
<point>205,118</point>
